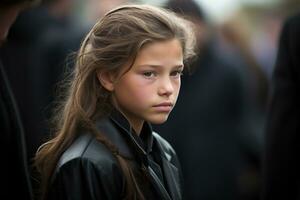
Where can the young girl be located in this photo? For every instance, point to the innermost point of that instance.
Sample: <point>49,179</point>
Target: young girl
<point>127,75</point>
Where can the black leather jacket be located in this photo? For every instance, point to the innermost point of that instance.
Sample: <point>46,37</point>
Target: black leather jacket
<point>88,170</point>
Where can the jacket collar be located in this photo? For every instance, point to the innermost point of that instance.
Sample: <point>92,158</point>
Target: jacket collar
<point>144,141</point>
<point>118,130</point>
<point>114,125</point>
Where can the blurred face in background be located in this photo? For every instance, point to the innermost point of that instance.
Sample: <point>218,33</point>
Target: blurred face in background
<point>201,31</point>
<point>95,9</point>
<point>8,15</point>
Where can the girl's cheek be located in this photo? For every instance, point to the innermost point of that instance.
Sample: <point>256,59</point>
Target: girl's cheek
<point>144,93</point>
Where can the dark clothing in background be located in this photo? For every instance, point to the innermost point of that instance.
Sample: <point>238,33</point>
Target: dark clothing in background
<point>15,181</point>
<point>281,178</point>
<point>88,170</point>
<point>17,55</point>
<point>208,129</point>
<point>34,58</point>
<point>54,55</point>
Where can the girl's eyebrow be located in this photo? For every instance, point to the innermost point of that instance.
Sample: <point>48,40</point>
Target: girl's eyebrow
<point>161,66</point>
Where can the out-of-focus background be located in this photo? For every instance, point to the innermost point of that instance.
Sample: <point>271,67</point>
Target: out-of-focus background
<point>217,126</point>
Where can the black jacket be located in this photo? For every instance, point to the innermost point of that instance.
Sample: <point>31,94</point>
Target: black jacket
<point>15,180</point>
<point>89,171</point>
<point>281,159</point>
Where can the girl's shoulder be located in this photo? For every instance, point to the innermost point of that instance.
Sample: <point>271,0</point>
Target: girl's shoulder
<point>86,151</point>
<point>87,163</point>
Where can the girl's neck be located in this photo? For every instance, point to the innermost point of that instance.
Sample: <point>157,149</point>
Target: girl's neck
<point>137,128</point>
<point>136,125</point>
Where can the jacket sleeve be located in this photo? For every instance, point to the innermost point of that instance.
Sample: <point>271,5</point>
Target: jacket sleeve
<point>82,179</point>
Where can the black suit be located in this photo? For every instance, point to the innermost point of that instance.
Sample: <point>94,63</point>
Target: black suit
<point>281,168</point>
<point>14,175</point>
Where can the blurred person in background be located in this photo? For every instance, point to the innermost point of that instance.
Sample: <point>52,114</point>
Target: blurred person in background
<point>97,8</point>
<point>264,40</point>
<point>209,127</point>
<point>15,179</point>
<point>34,57</point>
<point>52,57</point>
<point>280,163</point>
<point>236,42</point>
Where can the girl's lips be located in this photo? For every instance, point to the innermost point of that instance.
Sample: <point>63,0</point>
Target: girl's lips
<point>164,107</point>
<point>164,104</point>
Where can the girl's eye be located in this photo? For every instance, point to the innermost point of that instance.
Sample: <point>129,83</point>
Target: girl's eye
<point>149,74</point>
<point>177,73</point>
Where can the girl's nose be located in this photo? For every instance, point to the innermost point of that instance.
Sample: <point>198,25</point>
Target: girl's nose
<point>166,87</point>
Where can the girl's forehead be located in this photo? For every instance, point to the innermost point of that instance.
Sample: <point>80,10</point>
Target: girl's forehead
<point>161,50</point>
<point>158,53</point>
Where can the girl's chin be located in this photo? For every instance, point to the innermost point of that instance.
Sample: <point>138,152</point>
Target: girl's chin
<point>158,120</point>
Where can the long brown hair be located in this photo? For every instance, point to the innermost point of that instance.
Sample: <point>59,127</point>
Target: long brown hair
<point>114,41</point>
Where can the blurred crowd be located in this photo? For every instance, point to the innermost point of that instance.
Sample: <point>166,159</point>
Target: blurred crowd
<point>217,126</point>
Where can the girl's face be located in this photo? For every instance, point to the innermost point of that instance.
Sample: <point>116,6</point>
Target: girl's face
<point>149,90</point>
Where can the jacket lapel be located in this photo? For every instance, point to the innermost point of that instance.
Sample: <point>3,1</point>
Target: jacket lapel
<point>157,184</point>
<point>171,174</point>
<point>172,178</point>
<point>110,132</point>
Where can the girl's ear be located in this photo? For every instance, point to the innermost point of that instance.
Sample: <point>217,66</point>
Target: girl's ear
<point>106,79</point>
